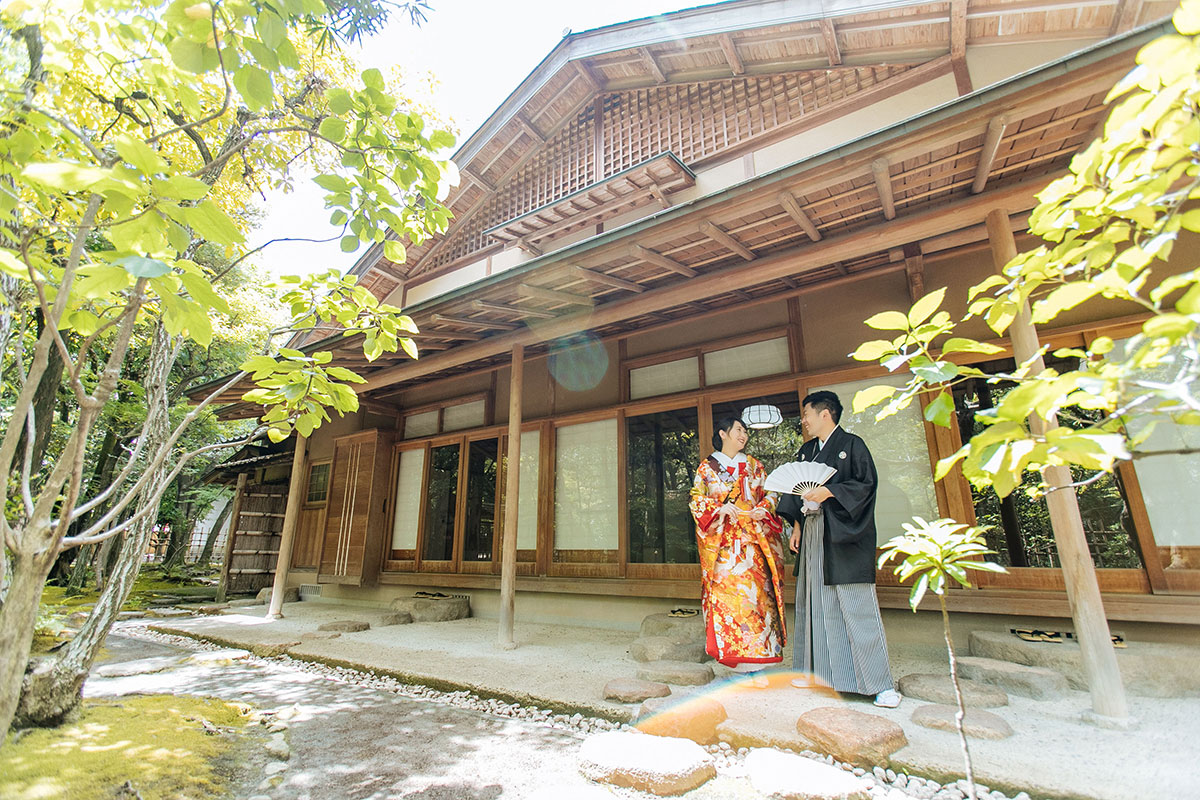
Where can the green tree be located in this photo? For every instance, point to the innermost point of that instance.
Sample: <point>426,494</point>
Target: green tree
<point>132,133</point>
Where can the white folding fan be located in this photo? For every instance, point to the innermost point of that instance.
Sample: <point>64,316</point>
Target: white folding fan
<point>798,477</point>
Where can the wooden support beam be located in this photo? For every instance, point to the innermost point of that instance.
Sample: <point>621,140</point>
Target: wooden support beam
<point>652,65</point>
<point>605,279</point>
<point>914,270</point>
<point>958,29</point>
<point>291,521</point>
<point>589,76</point>
<point>661,196</point>
<point>238,494</point>
<point>731,54</point>
<point>659,260</point>
<point>829,34</point>
<point>793,209</point>
<point>555,295</point>
<point>529,128</point>
<point>962,76</point>
<point>1126,17</point>
<point>715,233</point>
<point>512,496</point>
<point>883,182</point>
<point>477,323</point>
<point>478,179</point>
<point>523,243</point>
<point>535,313</point>
<point>379,406</point>
<point>458,336</point>
<point>1109,708</point>
<point>987,156</point>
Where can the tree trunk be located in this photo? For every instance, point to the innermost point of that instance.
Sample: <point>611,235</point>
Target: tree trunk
<point>18,616</point>
<point>214,534</point>
<point>79,572</point>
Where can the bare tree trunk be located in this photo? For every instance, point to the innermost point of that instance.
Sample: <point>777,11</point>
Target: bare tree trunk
<point>214,534</point>
<point>52,688</point>
<point>962,710</point>
<point>18,615</point>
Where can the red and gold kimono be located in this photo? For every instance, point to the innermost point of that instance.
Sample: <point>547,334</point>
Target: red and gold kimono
<point>741,564</point>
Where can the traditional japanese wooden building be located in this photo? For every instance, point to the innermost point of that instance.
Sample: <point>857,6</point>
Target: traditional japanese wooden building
<point>676,217</point>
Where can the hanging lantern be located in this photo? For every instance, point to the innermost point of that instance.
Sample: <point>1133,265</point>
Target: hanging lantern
<point>761,416</point>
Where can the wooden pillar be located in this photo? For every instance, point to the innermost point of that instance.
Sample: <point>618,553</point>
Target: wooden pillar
<point>512,487</point>
<point>238,494</point>
<point>291,520</point>
<point>1109,708</point>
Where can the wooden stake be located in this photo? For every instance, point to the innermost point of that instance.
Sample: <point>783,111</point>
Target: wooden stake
<point>883,182</point>
<point>1109,708</point>
<point>512,488</point>
<point>239,493</point>
<point>987,156</point>
<point>291,519</point>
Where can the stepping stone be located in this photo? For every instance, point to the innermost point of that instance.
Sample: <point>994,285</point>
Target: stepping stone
<point>680,673</point>
<point>272,650</point>
<point>165,600</point>
<point>315,636</point>
<point>246,602</point>
<point>939,689</point>
<point>168,613</point>
<point>218,657</point>
<point>433,609</point>
<point>345,626</point>
<point>653,764</point>
<point>664,648</point>
<point>786,776</point>
<point>78,617</point>
<point>865,740</point>
<point>694,718</point>
<point>977,723</point>
<point>396,618</point>
<point>131,614</point>
<point>215,608</point>
<point>679,629</point>
<point>143,666</point>
<point>632,690</point>
<point>290,595</point>
<point>1039,683</point>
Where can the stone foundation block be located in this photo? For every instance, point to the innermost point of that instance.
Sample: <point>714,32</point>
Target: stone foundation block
<point>433,609</point>
<point>866,740</point>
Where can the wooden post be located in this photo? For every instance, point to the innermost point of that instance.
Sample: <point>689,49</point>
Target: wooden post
<point>512,486</point>
<point>238,494</point>
<point>1109,708</point>
<point>291,519</point>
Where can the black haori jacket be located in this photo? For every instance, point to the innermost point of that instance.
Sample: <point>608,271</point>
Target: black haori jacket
<point>850,514</point>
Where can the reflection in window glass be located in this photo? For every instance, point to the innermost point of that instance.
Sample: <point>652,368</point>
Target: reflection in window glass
<point>408,500</point>
<point>585,487</point>
<point>771,446</point>
<point>318,484</point>
<point>901,454</point>
<point>441,500</point>
<point>662,451</point>
<point>480,509</point>
<point>769,357</point>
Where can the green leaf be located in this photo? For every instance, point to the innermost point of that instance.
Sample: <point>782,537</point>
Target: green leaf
<point>1187,17</point>
<point>202,292</point>
<point>142,267</point>
<point>139,155</point>
<point>941,411</point>
<point>213,224</point>
<point>255,86</point>
<point>936,372</point>
<point>349,244</point>
<point>394,251</point>
<point>1062,299</point>
<point>189,56</point>
<point>924,308</point>
<point>888,321</point>
<point>101,281</point>
<point>872,395</point>
<point>373,78</point>
<point>958,344</point>
<point>339,101</point>
<point>64,176</point>
<point>1190,220</point>
<point>12,266</point>
<point>182,187</point>
<point>333,128</point>
<point>441,139</point>
<point>270,29</point>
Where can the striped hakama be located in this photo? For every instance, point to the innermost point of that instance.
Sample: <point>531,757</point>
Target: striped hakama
<point>839,634</point>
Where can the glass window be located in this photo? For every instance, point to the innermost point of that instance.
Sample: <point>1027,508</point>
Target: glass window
<point>423,424</point>
<point>771,446</point>
<point>318,483</point>
<point>901,454</point>
<point>408,500</point>
<point>585,487</point>
<point>464,415</point>
<point>527,510</point>
<point>1020,530</point>
<point>480,509</point>
<point>769,357</point>
<point>662,451</point>
<point>441,499</point>
<point>672,376</point>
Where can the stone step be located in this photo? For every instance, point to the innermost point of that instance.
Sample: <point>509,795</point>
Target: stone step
<point>1148,669</point>
<point>1038,683</point>
<point>680,673</point>
<point>433,609</point>
<point>940,689</point>
<point>654,764</point>
<point>977,723</point>
<point>632,690</point>
<point>786,776</point>
<point>664,648</point>
<point>679,629</point>
<point>694,718</point>
<point>865,740</point>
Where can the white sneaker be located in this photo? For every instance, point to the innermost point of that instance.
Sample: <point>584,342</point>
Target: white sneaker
<point>888,698</point>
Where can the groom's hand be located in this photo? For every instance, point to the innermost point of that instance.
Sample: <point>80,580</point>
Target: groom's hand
<point>794,541</point>
<point>818,495</point>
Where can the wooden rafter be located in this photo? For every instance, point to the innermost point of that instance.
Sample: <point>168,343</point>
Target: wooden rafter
<point>528,247</point>
<point>883,183</point>
<point>987,156</point>
<point>652,64</point>
<point>914,270</point>
<point>605,279</point>
<point>554,295</point>
<point>659,260</point>
<point>829,34</point>
<point>958,46</point>
<point>454,336</point>
<point>720,236</point>
<point>1126,17</point>
<point>482,182</point>
<point>793,209</point>
<point>476,323</point>
<point>731,54</point>
<point>497,308</point>
<point>529,128</point>
<point>589,76</point>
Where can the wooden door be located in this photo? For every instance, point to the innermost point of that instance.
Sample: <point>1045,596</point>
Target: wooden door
<point>352,544</point>
<point>256,538</point>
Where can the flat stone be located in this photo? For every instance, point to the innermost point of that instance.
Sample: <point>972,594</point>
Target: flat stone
<point>396,618</point>
<point>786,776</point>
<point>680,673</point>
<point>131,614</point>
<point>632,690</point>
<point>274,768</point>
<point>272,650</point>
<point>679,629</point>
<point>865,740</point>
<point>754,731</point>
<point>433,609</point>
<point>290,595</point>
<point>318,636</point>
<point>694,718</point>
<point>78,617</point>
<point>276,747</point>
<point>1148,669</point>
<point>1038,683</point>
<point>664,648</point>
<point>143,666</point>
<point>653,764</point>
<point>246,602</point>
<point>218,657</point>
<point>939,689</point>
<point>165,600</point>
<point>215,608</point>
<point>345,626</point>
<point>977,723</point>
<point>167,613</point>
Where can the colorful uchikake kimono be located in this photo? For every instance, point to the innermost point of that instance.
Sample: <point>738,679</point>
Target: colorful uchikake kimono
<point>741,564</point>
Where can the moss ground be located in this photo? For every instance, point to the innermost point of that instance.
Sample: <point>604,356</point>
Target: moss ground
<point>158,742</point>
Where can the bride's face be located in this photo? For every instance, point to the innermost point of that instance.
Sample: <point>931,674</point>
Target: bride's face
<point>737,436</point>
